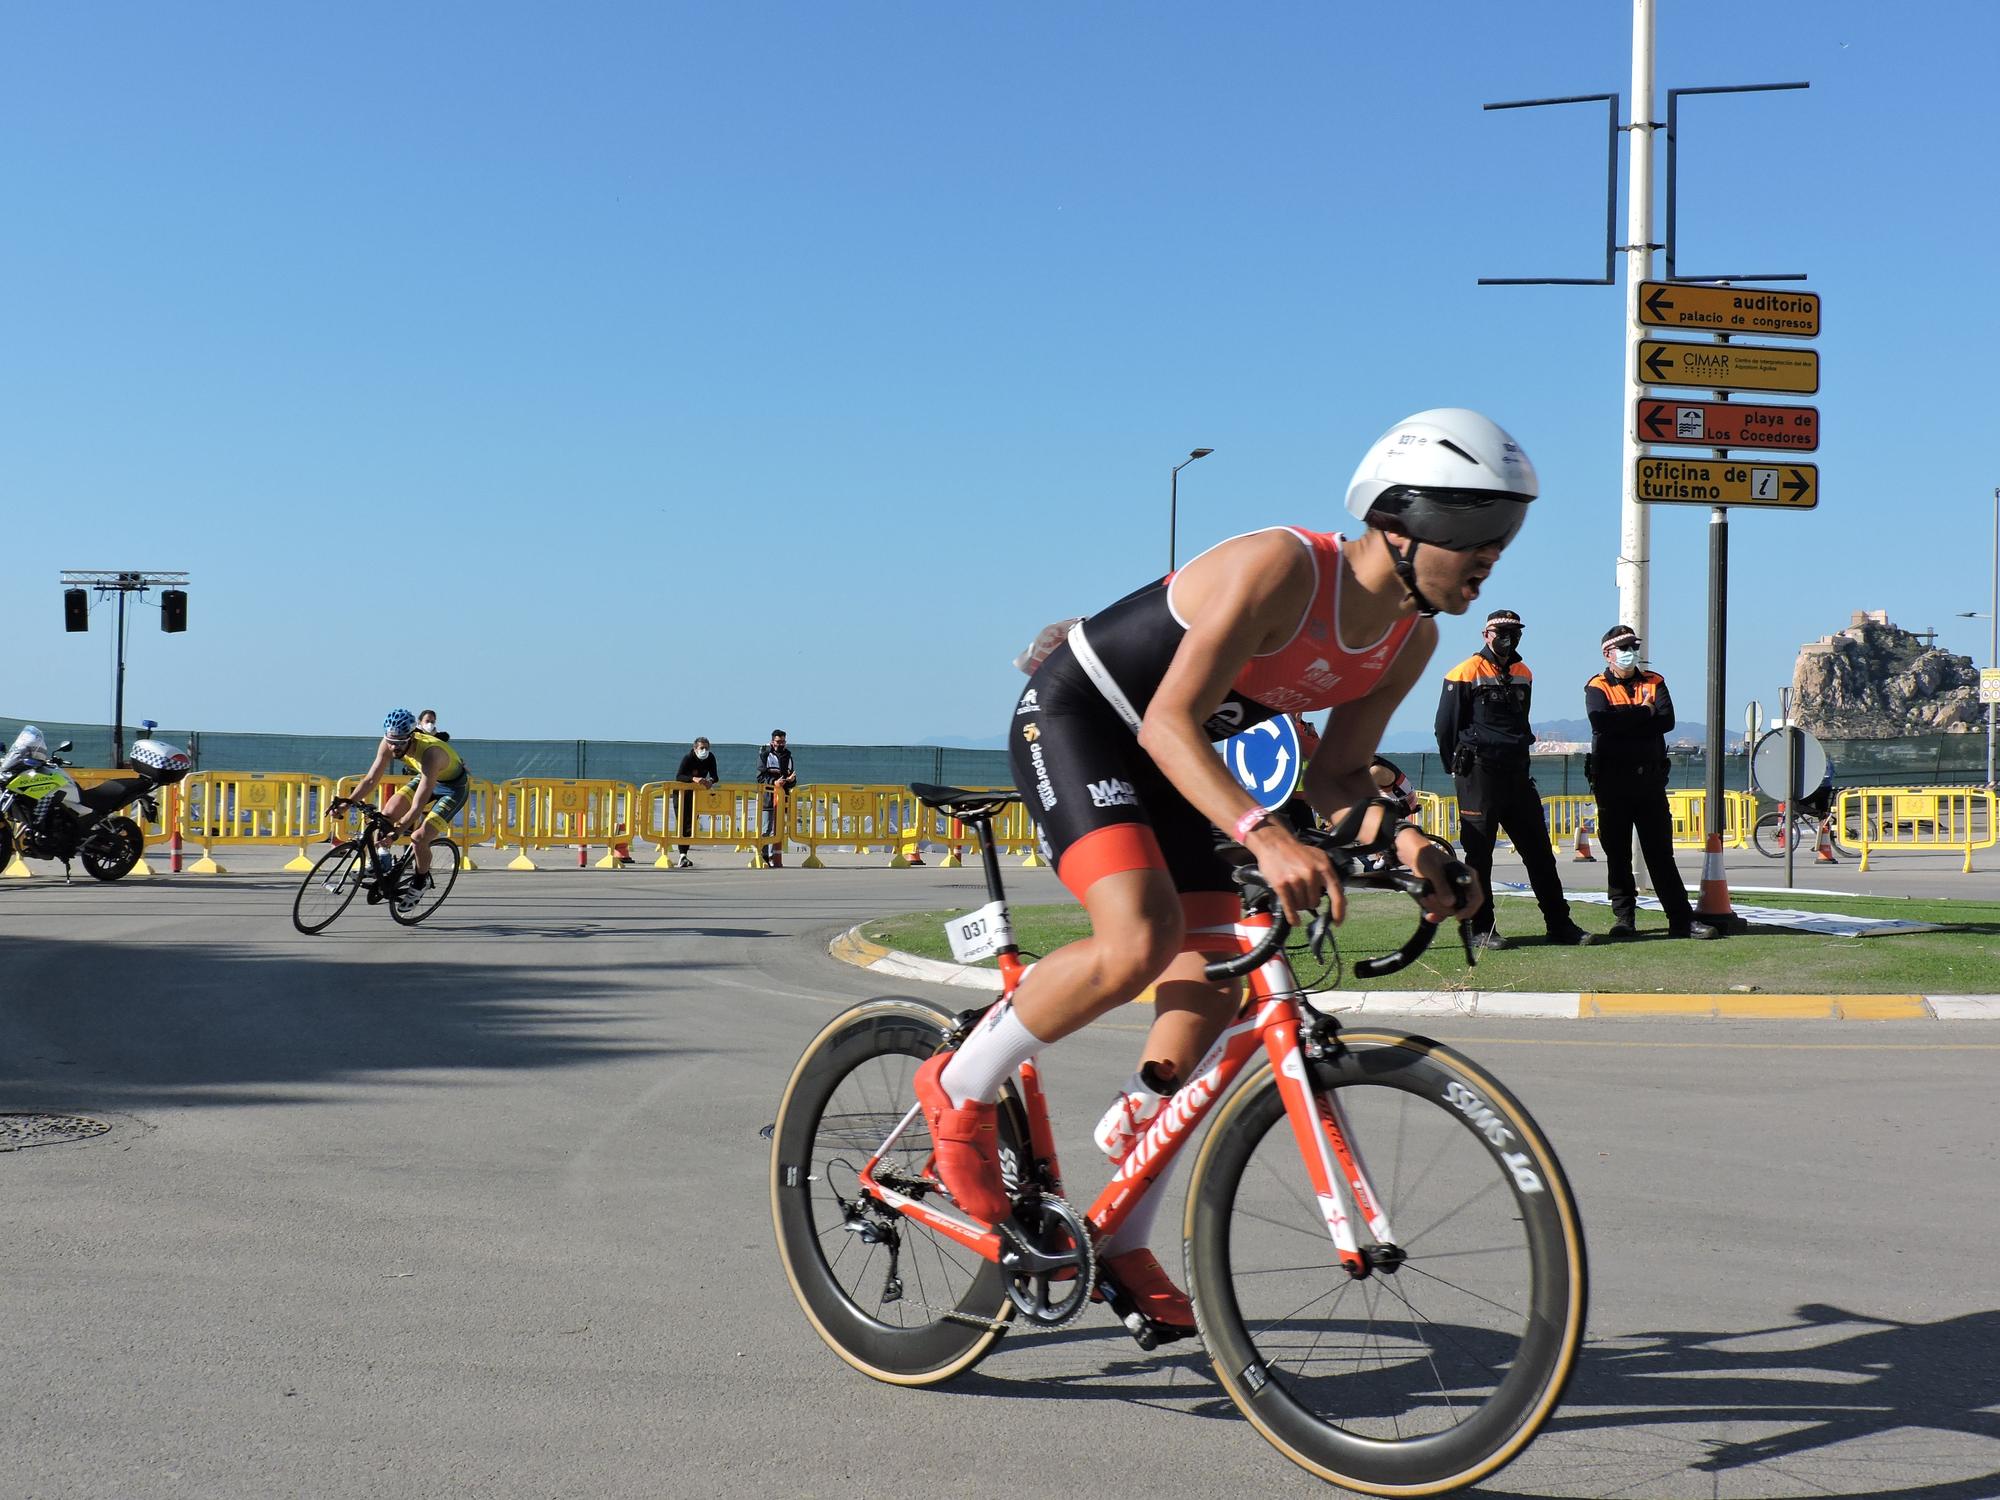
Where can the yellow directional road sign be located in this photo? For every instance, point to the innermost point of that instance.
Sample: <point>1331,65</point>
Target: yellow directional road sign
<point>1715,481</point>
<point>1729,309</point>
<point>1729,367</point>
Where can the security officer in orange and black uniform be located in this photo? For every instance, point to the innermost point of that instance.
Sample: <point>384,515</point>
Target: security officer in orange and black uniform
<point>1483,735</point>
<point>1631,712</point>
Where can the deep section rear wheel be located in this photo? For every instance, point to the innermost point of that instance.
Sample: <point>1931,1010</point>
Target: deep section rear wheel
<point>1412,1380</point>
<point>893,1298</point>
<point>444,872</point>
<point>328,887</point>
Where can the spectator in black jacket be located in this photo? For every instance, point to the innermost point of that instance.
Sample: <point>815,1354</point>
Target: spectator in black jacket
<point>775,775</point>
<point>1484,736</point>
<point>1631,713</point>
<point>697,768</point>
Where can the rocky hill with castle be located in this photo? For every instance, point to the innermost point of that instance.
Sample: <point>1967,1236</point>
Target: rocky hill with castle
<point>1875,680</point>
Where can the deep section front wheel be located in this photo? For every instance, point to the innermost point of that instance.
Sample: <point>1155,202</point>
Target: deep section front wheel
<point>893,1298</point>
<point>1769,835</point>
<point>1438,1366</point>
<point>328,887</point>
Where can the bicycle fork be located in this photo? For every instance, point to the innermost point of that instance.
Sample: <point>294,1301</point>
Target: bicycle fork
<point>1333,1161</point>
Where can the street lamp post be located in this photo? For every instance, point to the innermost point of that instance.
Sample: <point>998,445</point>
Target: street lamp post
<point>121,582</point>
<point>1992,617</point>
<point>1174,500</point>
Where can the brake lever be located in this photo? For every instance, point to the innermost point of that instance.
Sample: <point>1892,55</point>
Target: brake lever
<point>1320,937</point>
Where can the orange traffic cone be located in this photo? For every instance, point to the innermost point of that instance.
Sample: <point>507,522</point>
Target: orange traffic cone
<point>1713,905</point>
<point>1583,855</point>
<point>1823,852</point>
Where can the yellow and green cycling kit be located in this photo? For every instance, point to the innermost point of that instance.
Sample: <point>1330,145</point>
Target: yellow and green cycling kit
<point>451,785</point>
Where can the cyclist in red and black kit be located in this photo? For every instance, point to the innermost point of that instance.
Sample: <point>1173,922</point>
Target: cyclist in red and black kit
<point>1112,748</point>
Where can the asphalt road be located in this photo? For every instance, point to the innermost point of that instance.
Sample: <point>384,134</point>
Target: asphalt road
<point>481,1208</point>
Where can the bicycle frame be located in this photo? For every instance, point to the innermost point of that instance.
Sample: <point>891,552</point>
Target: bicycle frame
<point>1271,1019</point>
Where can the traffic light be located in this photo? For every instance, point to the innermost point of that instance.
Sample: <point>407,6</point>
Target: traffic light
<point>174,611</point>
<point>76,610</point>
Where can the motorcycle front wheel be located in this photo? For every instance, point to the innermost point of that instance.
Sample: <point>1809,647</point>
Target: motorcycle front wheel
<point>112,849</point>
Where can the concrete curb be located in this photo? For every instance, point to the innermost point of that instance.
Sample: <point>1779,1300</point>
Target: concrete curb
<point>852,948</point>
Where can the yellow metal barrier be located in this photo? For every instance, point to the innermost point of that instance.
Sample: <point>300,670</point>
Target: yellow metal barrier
<point>672,813</point>
<point>271,808</point>
<point>858,817</point>
<point>1689,807</point>
<point>1015,832</point>
<point>1914,819</point>
<point>1438,815</point>
<point>1567,815</point>
<point>546,812</point>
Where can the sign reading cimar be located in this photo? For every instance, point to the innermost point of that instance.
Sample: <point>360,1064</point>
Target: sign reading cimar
<point>1714,481</point>
<point>1728,309</point>
<point>1729,367</point>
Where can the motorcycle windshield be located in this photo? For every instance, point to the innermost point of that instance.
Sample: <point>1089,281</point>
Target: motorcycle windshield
<point>28,748</point>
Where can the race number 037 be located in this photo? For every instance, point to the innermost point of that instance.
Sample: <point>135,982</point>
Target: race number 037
<point>979,934</point>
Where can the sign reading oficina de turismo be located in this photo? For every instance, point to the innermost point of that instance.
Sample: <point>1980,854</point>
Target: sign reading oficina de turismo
<point>1264,760</point>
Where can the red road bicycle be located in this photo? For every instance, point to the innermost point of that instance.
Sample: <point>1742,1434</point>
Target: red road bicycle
<point>1386,1262</point>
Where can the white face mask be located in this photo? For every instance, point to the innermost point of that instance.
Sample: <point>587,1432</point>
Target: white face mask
<point>700,754</point>
<point>1625,660</point>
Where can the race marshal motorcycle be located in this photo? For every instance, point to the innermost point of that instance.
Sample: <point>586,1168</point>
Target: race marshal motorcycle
<point>46,814</point>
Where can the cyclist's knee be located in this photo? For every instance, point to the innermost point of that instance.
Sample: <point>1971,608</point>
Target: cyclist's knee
<point>1130,953</point>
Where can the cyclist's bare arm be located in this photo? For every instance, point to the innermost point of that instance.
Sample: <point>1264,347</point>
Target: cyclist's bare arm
<point>373,777</point>
<point>1240,599</point>
<point>1337,778</point>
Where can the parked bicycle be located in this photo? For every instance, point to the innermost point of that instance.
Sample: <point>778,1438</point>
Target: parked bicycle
<point>1771,831</point>
<point>369,862</point>
<point>1399,1327</point>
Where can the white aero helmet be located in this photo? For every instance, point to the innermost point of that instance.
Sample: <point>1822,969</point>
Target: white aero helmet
<point>1447,476</point>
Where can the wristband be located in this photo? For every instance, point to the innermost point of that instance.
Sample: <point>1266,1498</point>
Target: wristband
<point>1251,821</point>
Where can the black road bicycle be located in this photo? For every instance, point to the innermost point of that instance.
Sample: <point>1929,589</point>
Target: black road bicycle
<point>370,863</point>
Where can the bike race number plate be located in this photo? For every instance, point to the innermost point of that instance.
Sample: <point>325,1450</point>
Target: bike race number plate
<point>979,934</point>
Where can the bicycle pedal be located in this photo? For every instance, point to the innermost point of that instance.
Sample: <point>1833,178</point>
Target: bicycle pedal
<point>1149,1335</point>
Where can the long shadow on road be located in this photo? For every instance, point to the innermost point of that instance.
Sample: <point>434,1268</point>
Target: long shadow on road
<point>123,1025</point>
<point>1830,1402</point>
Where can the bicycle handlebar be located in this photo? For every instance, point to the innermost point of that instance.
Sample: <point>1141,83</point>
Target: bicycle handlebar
<point>1353,869</point>
<point>374,817</point>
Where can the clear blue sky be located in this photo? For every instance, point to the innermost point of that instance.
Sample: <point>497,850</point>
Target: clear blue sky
<point>644,370</point>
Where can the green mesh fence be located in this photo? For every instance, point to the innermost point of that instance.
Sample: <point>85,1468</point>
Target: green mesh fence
<point>637,761</point>
<point>1923,760</point>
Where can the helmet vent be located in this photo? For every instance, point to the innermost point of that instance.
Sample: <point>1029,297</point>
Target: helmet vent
<point>1449,446</point>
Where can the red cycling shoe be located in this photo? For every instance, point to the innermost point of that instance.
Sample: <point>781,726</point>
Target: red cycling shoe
<point>1140,1277</point>
<point>966,1139</point>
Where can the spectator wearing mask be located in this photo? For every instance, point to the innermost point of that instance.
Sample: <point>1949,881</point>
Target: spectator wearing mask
<point>1484,736</point>
<point>1631,713</point>
<point>697,768</point>
<point>427,723</point>
<point>775,775</point>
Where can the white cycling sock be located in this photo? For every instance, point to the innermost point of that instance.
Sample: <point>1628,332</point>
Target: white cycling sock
<point>1137,1230</point>
<point>988,1058</point>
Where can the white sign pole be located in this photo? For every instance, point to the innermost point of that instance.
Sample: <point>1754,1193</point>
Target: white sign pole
<point>1635,526</point>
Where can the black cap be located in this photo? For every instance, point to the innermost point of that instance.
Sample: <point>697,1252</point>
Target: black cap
<point>1616,631</point>
<point>1504,617</point>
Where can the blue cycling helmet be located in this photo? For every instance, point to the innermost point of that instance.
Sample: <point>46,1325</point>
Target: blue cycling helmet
<point>398,724</point>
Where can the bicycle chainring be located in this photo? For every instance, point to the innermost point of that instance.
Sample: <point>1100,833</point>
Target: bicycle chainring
<point>1051,1261</point>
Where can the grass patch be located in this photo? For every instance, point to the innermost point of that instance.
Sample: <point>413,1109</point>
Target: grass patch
<point>1962,959</point>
